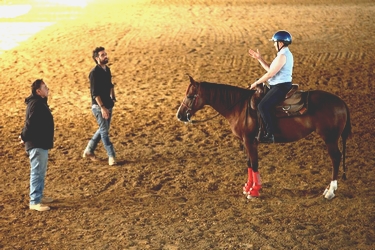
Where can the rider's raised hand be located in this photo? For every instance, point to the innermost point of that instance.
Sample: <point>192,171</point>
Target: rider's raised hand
<point>254,54</point>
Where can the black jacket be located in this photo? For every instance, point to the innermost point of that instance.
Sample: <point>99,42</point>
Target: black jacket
<point>39,127</point>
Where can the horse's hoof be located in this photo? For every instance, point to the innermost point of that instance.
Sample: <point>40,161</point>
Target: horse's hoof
<point>249,197</point>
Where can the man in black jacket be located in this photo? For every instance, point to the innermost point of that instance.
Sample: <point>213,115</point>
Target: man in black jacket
<point>37,135</point>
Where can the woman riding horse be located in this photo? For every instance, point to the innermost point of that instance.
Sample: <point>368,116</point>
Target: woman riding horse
<point>279,77</point>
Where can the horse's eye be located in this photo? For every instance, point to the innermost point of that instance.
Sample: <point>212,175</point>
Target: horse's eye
<point>190,96</point>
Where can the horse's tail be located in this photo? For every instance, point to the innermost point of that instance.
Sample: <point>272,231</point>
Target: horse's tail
<point>346,133</point>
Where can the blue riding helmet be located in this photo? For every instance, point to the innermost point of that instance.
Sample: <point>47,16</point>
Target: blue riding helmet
<point>282,36</point>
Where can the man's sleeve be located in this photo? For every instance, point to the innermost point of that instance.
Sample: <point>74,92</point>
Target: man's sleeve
<point>29,121</point>
<point>94,83</point>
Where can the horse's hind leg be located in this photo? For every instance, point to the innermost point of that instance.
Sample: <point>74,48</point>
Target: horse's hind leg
<point>335,155</point>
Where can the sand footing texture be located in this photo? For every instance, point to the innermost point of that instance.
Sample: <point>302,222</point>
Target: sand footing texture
<point>179,186</point>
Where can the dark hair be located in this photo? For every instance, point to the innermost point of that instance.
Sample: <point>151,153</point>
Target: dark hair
<point>95,53</point>
<point>36,85</point>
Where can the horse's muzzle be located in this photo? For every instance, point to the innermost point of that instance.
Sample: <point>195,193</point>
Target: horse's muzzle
<point>183,118</point>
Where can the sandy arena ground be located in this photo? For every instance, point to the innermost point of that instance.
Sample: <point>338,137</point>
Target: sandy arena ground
<point>179,186</point>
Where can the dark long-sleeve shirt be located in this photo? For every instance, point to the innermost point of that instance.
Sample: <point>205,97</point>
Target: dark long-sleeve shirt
<point>101,85</point>
<point>38,130</point>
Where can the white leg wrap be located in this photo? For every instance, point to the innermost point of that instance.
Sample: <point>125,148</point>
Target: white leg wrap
<point>329,192</point>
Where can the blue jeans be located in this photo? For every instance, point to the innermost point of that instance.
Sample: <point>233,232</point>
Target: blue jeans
<point>102,133</point>
<point>275,95</point>
<point>38,162</point>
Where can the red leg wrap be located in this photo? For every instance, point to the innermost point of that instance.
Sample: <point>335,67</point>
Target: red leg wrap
<point>257,185</point>
<point>249,183</point>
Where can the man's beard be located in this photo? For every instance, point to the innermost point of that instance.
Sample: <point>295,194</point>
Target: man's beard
<point>104,61</point>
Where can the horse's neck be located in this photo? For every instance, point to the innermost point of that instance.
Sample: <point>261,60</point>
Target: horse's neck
<point>224,98</point>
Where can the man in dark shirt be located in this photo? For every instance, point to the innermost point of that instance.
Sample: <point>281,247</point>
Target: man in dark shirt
<point>37,135</point>
<point>103,99</point>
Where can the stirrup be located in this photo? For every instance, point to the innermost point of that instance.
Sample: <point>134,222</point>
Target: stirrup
<point>268,138</point>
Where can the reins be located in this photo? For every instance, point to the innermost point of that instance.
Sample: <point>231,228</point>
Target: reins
<point>205,120</point>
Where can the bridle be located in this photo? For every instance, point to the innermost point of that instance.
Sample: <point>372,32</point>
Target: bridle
<point>194,100</point>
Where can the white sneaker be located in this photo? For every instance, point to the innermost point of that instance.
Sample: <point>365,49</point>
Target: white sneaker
<point>112,161</point>
<point>89,156</point>
<point>39,207</point>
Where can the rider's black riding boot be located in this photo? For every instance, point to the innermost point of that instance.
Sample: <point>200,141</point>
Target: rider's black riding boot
<point>268,138</point>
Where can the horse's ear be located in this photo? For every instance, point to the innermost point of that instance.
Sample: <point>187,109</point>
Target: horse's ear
<point>192,81</point>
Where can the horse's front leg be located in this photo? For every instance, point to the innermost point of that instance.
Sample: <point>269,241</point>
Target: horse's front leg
<point>250,182</point>
<point>253,184</point>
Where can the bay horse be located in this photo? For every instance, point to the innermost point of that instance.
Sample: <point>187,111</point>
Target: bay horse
<point>327,115</point>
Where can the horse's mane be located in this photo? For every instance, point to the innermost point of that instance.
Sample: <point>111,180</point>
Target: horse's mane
<point>228,94</point>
